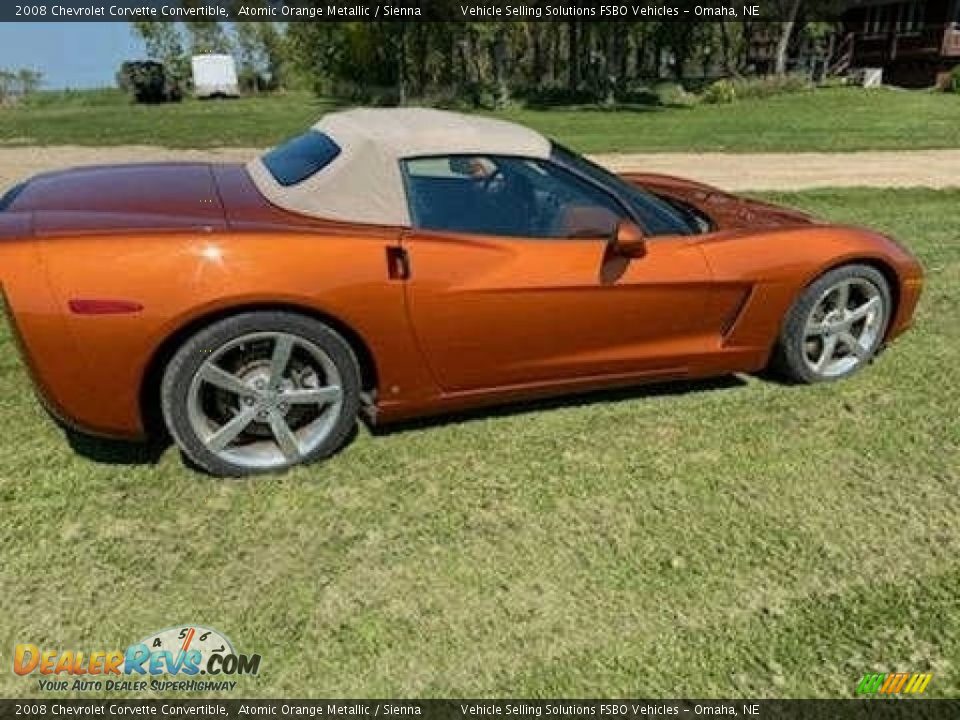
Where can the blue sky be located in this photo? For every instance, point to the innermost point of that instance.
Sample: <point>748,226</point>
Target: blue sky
<point>69,54</point>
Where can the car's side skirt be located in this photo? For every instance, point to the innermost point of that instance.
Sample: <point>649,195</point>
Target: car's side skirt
<point>724,362</point>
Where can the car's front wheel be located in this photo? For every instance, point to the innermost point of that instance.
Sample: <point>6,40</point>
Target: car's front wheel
<point>835,326</point>
<point>260,392</point>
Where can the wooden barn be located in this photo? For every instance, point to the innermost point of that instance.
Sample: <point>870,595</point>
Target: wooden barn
<point>915,42</point>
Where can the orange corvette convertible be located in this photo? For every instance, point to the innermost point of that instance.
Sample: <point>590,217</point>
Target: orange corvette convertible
<point>400,263</point>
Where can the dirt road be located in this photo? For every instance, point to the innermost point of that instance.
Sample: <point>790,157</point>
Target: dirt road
<point>775,171</point>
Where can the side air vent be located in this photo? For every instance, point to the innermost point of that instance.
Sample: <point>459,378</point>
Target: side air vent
<point>731,321</point>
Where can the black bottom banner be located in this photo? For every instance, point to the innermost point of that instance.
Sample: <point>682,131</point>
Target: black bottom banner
<point>484,709</point>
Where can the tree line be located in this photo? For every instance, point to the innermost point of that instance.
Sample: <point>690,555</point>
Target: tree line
<point>19,83</point>
<point>488,63</point>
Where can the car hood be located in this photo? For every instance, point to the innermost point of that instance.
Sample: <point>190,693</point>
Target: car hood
<point>149,195</point>
<point>728,212</point>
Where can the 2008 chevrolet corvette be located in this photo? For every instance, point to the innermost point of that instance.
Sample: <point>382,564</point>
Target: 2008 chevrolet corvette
<point>407,262</point>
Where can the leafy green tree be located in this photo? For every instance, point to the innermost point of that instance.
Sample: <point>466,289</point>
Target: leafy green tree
<point>7,84</point>
<point>790,10</point>
<point>251,60</point>
<point>28,80</point>
<point>261,55</point>
<point>207,36</point>
<point>489,63</point>
<point>164,44</point>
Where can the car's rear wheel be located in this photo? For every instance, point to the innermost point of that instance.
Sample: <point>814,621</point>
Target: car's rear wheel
<point>261,392</point>
<point>836,326</point>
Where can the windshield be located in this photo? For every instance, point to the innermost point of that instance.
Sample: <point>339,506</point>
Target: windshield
<point>656,216</point>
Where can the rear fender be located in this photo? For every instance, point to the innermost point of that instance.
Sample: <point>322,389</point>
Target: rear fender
<point>36,318</point>
<point>174,280</point>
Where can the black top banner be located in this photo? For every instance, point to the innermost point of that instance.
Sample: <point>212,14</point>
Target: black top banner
<point>409,10</point>
<point>874,709</point>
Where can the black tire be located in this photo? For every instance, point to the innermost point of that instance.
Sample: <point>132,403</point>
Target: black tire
<point>188,360</point>
<point>790,358</point>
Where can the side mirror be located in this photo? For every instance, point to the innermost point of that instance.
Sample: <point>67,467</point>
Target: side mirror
<point>628,240</point>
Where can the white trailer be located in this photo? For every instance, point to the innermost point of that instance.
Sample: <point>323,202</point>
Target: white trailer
<point>214,76</point>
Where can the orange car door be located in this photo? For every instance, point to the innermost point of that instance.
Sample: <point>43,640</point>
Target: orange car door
<point>492,310</point>
<point>510,281</point>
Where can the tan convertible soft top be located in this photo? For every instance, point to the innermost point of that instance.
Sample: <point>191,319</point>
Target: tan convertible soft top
<point>363,183</point>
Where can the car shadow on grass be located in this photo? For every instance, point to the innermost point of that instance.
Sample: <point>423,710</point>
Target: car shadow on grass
<point>117,452</point>
<point>110,451</point>
<point>595,397</point>
<point>126,452</point>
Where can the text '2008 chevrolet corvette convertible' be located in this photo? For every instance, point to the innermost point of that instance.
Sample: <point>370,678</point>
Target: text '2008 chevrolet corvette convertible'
<point>408,262</point>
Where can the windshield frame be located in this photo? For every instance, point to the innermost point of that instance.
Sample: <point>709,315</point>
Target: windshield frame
<point>627,194</point>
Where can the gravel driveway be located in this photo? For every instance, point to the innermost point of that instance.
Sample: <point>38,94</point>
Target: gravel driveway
<point>775,171</point>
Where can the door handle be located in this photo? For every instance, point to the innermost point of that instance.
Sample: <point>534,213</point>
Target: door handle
<point>398,263</point>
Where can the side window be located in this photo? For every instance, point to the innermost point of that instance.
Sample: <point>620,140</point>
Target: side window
<point>505,196</point>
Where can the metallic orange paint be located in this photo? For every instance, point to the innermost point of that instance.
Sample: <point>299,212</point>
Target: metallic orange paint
<point>480,319</point>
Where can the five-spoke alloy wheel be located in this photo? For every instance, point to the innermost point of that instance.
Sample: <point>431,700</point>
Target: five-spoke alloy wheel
<point>836,325</point>
<point>261,391</point>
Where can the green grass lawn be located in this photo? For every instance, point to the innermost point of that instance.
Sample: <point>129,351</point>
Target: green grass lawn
<point>738,538</point>
<point>834,119</point>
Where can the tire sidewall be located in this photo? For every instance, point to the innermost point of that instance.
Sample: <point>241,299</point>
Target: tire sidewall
<point>791,353</point>
<point>185,363</point>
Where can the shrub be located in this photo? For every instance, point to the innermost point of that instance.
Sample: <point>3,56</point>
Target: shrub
<point>673,94</point>
<point>638,93</point>
<point>728,90</point>
<point>720,92</point>
<point>954,84</point>
<point>774,85</point>
<point>545,95</point>
<point>360,94</point>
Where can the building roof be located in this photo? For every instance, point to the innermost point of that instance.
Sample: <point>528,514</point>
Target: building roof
<point>363,183</point>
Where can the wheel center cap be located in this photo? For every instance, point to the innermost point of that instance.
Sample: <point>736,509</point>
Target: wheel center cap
<point>836,321</point>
